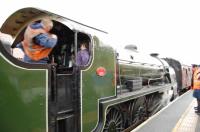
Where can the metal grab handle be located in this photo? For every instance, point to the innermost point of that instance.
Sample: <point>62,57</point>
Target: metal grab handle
<point>153,79</point>
<point>54,85</point>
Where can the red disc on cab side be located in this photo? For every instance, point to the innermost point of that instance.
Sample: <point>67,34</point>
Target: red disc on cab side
<point>101,71</point>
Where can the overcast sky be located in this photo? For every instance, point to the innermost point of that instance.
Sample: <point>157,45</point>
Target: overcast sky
<point>168,27</point>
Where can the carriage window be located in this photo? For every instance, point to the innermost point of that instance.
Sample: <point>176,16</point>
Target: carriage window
<point>83,55</point>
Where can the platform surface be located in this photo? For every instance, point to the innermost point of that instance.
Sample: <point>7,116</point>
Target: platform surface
<point>178,116</point>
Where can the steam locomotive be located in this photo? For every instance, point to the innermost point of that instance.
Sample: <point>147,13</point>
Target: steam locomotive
<point>114,92</point>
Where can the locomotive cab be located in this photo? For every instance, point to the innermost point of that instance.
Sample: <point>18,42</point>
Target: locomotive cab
<point>64,73</point>
<point>66,93</point>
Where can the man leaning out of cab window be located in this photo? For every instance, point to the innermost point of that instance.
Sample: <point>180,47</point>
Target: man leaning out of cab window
<point>38,42</point>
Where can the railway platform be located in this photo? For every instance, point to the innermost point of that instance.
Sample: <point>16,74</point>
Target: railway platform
<point>178,116</point>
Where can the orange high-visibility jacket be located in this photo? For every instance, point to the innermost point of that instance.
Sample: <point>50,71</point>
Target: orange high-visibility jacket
<point>32,50</point>
<point>196,78</point>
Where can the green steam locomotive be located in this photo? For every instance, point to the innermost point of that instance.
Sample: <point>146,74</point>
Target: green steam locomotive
<point>114,92</point>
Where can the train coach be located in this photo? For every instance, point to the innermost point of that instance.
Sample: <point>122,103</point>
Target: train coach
<point>115,91</point>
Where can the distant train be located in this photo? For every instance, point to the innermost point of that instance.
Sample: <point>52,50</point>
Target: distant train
<point>114,92</point>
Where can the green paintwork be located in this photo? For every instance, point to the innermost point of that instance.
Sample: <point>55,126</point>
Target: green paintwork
<point>22,99</point>
<point>140,71</point>
<point>95,87</point>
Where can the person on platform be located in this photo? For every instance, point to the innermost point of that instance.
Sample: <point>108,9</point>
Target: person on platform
<point>196,87</point>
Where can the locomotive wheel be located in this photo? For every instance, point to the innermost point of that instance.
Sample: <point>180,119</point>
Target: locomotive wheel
<point>131,108</point>
<point>114,121</point>
<point>150,104</point>
<point>153,104</point>
<point>138,111</point>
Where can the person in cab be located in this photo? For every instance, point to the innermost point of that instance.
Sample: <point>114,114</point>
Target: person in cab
<point>38,41</point>
<point>82,55</point>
